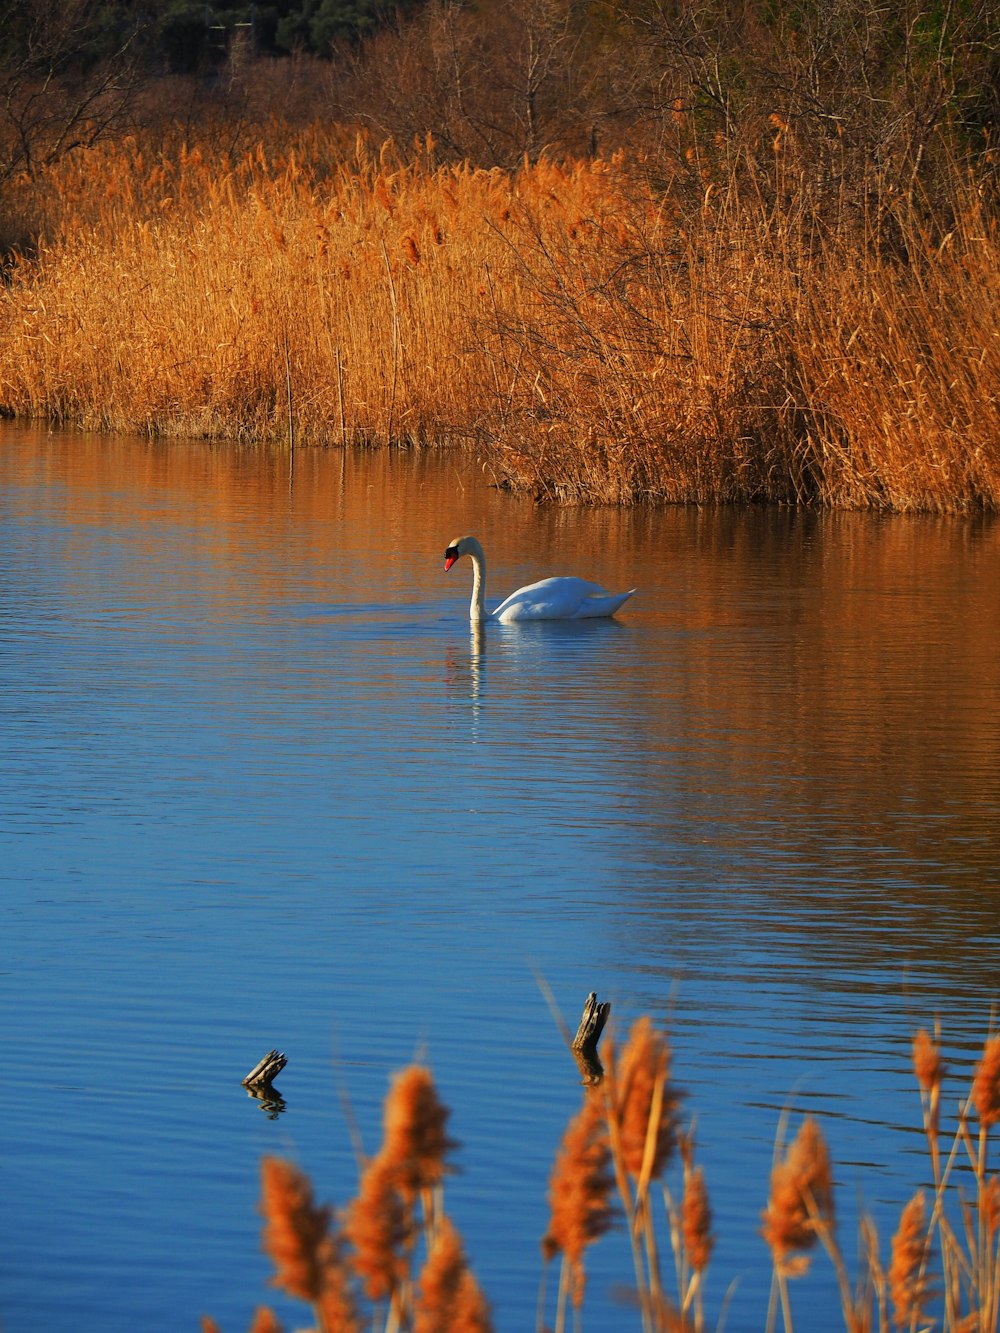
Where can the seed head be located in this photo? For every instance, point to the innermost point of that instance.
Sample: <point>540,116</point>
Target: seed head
<point>580,1190</point>
<point>907,1283</point>
<point>986,1085</point>
<point>801,1197</point>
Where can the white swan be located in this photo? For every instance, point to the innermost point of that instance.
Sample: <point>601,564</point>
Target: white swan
<point>549,599</point>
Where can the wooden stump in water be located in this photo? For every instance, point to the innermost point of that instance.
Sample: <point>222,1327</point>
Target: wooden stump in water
<point>588,1034</point>
<point>266,1071</point>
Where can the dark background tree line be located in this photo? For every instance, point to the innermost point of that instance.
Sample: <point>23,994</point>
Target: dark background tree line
<point>862,87</point>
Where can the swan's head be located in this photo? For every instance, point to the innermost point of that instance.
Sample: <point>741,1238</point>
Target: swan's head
<point>459,547</point>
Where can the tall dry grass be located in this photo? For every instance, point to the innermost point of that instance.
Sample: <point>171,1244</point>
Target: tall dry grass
<point>393,1259</point>
<point>603,331</point>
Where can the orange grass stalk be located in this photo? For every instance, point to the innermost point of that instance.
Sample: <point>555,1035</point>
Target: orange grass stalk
<point>907,1270</point>
<point>641,1109</point>
<point>377,1228</point>
<point>449,1298</point>
<point>416,1143</point>
<point>646,1140</point>
<point>986,1085</point>
<point>306,1254</point>
<point>579,1191</point>
<point>696,1220</point>
<point>986,1098</point>
<point>799,1208</point>
<point>695,1234</point>
<point>265,1321</point>
<point>929,1068</point>
<point>801,1199</point>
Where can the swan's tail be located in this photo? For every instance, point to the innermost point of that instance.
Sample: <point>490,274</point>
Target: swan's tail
<point>605,605</point>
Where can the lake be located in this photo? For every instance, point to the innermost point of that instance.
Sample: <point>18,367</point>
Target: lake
<point>261,786</point>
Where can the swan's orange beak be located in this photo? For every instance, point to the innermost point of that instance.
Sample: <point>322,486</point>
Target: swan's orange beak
<point>450,556</point>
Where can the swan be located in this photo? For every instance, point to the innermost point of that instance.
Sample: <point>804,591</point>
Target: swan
<point>549,599</point>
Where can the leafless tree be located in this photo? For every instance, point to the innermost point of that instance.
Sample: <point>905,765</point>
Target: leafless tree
<point>63,80</point>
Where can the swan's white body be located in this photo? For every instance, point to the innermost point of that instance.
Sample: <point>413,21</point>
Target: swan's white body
<point>549,599</point>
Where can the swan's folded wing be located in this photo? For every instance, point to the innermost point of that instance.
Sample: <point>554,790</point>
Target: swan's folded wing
<point>559,599</point>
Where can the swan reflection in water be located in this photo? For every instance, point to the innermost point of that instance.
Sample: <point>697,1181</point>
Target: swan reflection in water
<point>566,661</point>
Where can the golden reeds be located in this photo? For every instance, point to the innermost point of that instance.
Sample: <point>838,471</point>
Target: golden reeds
<point>416,1142</point>
<point>644,1104</point>
<point>907,1276</point>
<point>315,1261</point>
<point>600,331</point>
<point>801,1200</point>
<point>986,1085</point>
<point>306,1253</point>
<point>378,1229</point>
<point>449,1298</point>
<point>409,1258</point>
<point>930,1070</point>
<point>696,1221</point>
<point>580,1191</point>
<point>265,1321</point>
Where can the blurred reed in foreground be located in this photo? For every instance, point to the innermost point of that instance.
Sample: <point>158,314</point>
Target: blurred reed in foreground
<point>708,326</point>
<point>393,1260</point>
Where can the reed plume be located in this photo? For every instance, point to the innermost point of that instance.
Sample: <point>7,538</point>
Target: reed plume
<point>930,1070</point>
<point>580,1191</point>
<point>306,1253</point>
<point>801,1199</point>
<point>449,1298</point>
<point>928,1065</point>
<point>416,1143</point>
<point>907,1277</point>
<point>378,1230</point>
<point>295,1229</point>
<point>644,1104</point>
<point>696,1220</point>
<point>265,1321</point>
<point>641,1110</point>
<point>986,1084</point>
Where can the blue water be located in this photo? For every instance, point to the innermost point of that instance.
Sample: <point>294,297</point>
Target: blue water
<point>261,786</point>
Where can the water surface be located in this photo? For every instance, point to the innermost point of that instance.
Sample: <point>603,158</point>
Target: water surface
<point>260,785</point>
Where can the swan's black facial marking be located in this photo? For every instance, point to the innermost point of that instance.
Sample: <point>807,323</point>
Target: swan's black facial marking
<point>450,556</point>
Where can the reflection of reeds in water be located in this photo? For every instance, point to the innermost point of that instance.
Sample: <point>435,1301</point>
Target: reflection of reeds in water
<point>398,1250</point>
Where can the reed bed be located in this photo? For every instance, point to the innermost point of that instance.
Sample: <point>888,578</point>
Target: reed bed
<point>599,331</point>
<point>392,1259</point>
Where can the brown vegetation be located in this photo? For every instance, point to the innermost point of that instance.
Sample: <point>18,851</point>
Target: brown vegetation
<point>706,257</point>
<point>423,1281</point>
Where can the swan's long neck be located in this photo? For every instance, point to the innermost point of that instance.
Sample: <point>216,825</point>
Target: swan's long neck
<point>477,607</point>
